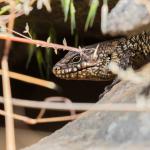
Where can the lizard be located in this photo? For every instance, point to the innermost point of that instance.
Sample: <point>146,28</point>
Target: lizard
<point>132,51</point>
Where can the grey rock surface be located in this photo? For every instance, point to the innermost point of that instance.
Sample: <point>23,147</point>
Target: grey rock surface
<point>129,15</point>
<point>104,130</point>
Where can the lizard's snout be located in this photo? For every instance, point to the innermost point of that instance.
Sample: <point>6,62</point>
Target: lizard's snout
<point>56,70</point>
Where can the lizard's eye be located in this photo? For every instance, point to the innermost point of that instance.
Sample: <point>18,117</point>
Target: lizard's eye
<point>76,59</point>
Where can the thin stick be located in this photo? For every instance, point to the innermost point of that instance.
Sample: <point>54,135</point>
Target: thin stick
<point>33,80</point>
<point>41,120</point>
<point>108,107</point>
<point>38,43</point>
<point>56,99</point>
<point>9,121</point>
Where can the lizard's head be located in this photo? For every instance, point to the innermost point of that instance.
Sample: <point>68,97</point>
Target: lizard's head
<point>91,65</point>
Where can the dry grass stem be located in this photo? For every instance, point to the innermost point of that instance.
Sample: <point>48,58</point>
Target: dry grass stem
<point>32,121</point>
<point>9,121</point>
<point>38,43</point>
<point>109,107</point>
<point>104,17</point>
<point>57,99</point>
<point>33,80</point>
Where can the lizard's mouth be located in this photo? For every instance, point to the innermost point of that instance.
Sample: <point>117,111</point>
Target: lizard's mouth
<point>70,73</point>
<point>87,73</point>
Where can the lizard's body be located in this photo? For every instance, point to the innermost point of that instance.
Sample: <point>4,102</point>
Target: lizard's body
<point>131,51</point>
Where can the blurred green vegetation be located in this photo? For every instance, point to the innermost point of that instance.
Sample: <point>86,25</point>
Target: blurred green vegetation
<point>44,58</point>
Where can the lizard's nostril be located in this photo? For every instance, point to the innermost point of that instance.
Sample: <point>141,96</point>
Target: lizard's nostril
<point>56,69</point>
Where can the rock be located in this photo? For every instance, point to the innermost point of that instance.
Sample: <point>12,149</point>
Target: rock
<point>129,16</point>
<point>101,130</point>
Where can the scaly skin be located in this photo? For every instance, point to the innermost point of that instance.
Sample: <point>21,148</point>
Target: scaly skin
<point>132,51</point>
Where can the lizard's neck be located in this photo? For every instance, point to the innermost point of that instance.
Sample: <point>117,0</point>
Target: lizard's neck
<point>136,51</point>
<point>143,41</point>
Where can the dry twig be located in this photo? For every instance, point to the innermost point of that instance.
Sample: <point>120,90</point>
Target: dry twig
<point>31,80</point>
<point>38,43</point>
<point>56,99</point>
<point>32,121</point>
<point>108,107</point>
<point>9,121</point>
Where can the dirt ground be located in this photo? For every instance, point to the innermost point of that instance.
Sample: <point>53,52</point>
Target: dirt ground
<point>24,137</point>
